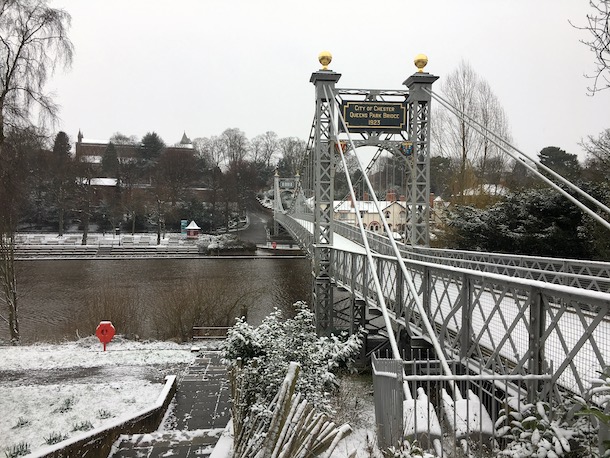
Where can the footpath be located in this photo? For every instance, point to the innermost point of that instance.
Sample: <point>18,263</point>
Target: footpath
<point>201,411</point>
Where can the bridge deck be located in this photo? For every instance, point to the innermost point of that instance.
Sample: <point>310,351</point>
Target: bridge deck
<point>339,242</point>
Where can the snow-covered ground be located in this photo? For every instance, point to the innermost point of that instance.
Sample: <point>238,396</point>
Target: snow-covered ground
<point>51,390</point>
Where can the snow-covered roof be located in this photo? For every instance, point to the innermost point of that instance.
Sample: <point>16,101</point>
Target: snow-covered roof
<point>366,206</point>
<point>103,181</point>
<point>489,189</point>
<point>91,140</point>
<point>91,159</point>
<point>192,225</point>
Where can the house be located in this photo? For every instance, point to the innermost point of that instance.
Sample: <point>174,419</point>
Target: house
<point>394,211</point>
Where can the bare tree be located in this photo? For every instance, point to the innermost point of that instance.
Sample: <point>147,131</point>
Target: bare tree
<point>176,170</point>
<point>477,158</point>
<point>265,147</point>
<point>235,145</point>
<point>598,155</point>
<point>492,161</point>
<point>598,26</point>
<point>33,42</point>
<point>460,88</point>
<point>119,138</point>
<point>211,150</point>
<point>14,169</point>
<point>292,150</point>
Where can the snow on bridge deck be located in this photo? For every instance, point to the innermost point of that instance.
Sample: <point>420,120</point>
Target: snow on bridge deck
<point>339,242</point>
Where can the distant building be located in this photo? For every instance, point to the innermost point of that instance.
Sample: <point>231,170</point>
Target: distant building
<point>394,211</point>
<point>92,151</point>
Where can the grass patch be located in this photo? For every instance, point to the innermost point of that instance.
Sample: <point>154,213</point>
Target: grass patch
<point>103,414</point>
<point>20,449</point>
<point>55,438</point>
<point>21,422</point>
<point>82,426</point>
<point>65,406</point>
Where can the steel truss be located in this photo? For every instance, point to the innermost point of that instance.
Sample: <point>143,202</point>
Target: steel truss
<point>323,163</point>
<point>323,144</point>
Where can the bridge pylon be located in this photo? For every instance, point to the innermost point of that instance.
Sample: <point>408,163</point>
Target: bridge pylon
<point>418,175</point>
<point>324,81</point>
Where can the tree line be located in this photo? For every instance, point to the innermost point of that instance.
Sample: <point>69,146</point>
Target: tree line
<point>151,186</point>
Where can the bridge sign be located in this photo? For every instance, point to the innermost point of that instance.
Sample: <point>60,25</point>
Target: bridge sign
<point>287,183</point>
<point>374,116</point>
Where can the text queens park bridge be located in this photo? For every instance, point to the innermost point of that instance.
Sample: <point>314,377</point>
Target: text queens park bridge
<point>462,334</point>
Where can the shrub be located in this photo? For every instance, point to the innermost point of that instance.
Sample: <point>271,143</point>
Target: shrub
<point>535,430</point>
<point>265,352</point>
<point>204,302</point>
<point>121,306</point>
<point>407,450</point>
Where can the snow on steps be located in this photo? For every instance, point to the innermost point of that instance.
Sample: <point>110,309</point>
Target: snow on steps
<point>420,419</point>
<point>468,418</point>
<point>200,442</point>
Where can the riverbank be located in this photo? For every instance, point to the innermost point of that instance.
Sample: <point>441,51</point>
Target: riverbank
<point>110,246</point>
<point>58,391</point>
<point>49,391</point>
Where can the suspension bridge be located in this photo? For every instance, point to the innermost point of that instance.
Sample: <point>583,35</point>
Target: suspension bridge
<point>454,336</point>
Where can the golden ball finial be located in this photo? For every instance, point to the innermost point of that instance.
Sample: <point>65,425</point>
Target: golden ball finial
<point>420,61</point>
<point>325,58</point>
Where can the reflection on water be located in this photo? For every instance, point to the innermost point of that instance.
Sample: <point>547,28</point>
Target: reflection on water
<point>53,293</point>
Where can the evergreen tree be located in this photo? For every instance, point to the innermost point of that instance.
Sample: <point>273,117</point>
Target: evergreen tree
<point>538,222</point>
<point>62,146</point>
<point>64,178</point>
<point>152,146</point>
<point>565,164</point>
<point>151,149</point>
<point>110,161</point>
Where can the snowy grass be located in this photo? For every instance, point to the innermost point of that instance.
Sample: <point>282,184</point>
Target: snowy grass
<point>52,392</point>
<point>353,404</point>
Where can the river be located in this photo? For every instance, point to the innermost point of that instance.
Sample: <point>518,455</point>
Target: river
<point>64,299</point>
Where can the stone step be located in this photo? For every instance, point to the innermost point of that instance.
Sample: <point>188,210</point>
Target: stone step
<point>181,444</point>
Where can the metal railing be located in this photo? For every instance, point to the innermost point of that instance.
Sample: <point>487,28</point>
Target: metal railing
<point>510,340</point>
<point>458,428</point>
<point>592,275</point>
<point>510,325</point>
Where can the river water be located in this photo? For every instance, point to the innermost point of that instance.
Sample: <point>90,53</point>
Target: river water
<point>64,299</point>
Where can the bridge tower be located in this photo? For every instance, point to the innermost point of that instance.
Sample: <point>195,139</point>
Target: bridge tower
<point>418,176</point>
<point>403,130</point>
<point>324,81</point>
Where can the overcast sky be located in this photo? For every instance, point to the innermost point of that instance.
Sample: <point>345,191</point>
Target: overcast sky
<point>200,66</point>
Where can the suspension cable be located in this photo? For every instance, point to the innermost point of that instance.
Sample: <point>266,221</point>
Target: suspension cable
<point>495,139</point>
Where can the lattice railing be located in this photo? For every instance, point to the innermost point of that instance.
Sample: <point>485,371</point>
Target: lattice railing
<point>591,275</point>
<point>510,325</point>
